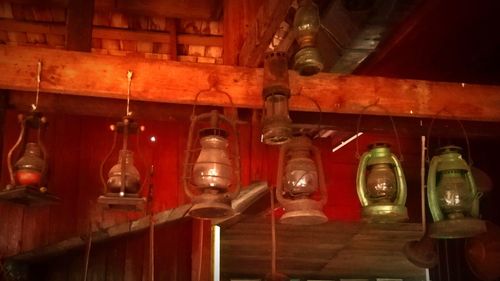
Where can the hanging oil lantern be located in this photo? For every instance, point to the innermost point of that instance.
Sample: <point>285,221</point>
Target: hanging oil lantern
<point>276,93</point>
<point>28,174</point>
<point>306,26</point>
<point>300,175</point>
<point>212,165</point>
<point>381,185</point>
<point>123,186</point>
<point>453,197</point>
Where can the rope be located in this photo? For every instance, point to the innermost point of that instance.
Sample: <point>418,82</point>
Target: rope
<point>129,79</point>
<point>38,80</point>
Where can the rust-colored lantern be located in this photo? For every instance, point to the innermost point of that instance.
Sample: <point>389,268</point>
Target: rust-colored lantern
<point>276,123</point>
<point>300,175</point>
<point>212,166</point>
<point>27,164</point>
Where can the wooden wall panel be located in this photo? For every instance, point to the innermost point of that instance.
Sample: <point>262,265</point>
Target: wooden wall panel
<point>125,258</point>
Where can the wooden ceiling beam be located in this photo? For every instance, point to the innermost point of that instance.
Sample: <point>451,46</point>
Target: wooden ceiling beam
<point>113,108</point>
<point>261,32</point>
<point>84,74</point>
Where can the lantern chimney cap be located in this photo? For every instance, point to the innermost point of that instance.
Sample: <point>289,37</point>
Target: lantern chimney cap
<point>449,149</point>
<point>213,132</point>
<point>379,144</point>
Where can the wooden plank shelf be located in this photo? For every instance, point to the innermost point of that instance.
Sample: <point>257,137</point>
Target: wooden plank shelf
<point>331,250</point>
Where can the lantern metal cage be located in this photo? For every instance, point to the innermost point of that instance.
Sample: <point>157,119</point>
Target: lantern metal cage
<point>211,174</point>
<point>123,187</point>
<point>28,175</point>
<point>300,176</point>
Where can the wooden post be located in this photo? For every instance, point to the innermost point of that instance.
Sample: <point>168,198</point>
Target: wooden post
<point>238,18</point>
<point>79,25</point>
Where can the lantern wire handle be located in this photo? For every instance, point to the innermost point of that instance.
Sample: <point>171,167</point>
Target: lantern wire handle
<point>101,168</point>
<point>444,110</point>
<point>316,103</point>
<point>11,152</point>
<point>129,80</point>
<point>375,104</point>
<point>212,80</point>
<point>38,80</point>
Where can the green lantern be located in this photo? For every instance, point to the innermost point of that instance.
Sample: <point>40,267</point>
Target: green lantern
<point>453,196</point>
<point>381,185</point>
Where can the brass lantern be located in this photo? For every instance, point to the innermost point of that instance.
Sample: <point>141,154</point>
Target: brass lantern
<point>381,185</point>
<point>211,166</point>
<point>276,92</point>
<point>28,174</point>
<point>123,185</point>
<point>306,26</point>
<point>453,197</point>
<point>300,175</point>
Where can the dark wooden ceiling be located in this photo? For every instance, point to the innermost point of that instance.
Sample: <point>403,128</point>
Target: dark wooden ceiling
<point>445,40</point>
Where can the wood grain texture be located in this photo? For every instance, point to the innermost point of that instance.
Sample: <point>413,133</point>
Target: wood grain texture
<point>334,249</point>
<point>239,17</point>
<point>165,81</point>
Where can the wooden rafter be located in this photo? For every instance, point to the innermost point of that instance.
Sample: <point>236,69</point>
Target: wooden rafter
<point>267,22</point>
<point>75,73</point>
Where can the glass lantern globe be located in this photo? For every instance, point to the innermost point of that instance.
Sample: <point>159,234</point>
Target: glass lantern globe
<point>124,173</point>
<point>301,176</point>
<point>212,169</point>
<point>381,183</point>
<point>452,196</point>
<point>28,169</point>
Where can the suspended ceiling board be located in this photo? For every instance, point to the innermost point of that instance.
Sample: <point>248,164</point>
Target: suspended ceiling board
<point>331,250</point>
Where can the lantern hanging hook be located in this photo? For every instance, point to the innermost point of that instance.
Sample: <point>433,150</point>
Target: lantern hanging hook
<point>129,84</point>
<point>445,110</point>
<point>38,80</point>
<point>358,124</point>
